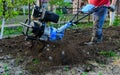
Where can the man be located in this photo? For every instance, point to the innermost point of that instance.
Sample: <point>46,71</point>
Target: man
<point>99,18</point>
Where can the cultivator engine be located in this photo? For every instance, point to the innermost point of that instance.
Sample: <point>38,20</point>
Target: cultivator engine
<point>38,26</point>
<point>41,31</point>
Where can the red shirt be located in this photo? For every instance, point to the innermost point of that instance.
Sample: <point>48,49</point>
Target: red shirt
<point>99,2</point>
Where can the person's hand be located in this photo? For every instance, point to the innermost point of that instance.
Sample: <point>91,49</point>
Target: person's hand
<point>112,8</point>
<point>87,8</point>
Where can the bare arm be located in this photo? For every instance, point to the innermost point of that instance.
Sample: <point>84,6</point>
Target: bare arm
<point>113,2</point>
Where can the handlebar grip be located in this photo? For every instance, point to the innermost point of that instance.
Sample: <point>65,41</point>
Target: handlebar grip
<point>111,9</point>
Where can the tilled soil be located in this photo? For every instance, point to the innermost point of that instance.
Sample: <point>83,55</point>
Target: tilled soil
<point>39,57</point>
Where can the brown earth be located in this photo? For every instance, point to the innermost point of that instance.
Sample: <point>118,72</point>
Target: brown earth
<point>39,57</point>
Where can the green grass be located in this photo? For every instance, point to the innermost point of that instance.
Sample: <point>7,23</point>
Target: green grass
<point>84,73</point>
<point>117,21</point>
<point>85,25</point>
<point>0,22</point>
<point>100,73</point>
<point>36,61</point>
<point>108,53</point>
<point>15,30</point>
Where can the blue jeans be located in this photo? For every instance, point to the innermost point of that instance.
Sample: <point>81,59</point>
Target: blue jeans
<point>99,18</point>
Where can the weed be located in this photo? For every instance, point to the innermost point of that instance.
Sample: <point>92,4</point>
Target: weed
<point>0,22</point>
<point>117,21</point>
<point>84,73</point>
<point>100,73</point>
<point>108,53</point>
<point>9,31</point>
<point>35,61</point>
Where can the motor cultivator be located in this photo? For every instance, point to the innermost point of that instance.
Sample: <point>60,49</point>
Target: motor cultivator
<point>40,30</point>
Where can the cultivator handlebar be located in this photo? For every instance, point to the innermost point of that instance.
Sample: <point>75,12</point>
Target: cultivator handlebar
<point>90,12</point>
<point>26,25</point>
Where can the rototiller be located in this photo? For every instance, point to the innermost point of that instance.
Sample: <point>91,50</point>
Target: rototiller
<point>40,30</point>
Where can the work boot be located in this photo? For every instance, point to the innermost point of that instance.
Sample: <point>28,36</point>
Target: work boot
<point>99,40</point>
<point>94,41</point>
<point>89,43</point>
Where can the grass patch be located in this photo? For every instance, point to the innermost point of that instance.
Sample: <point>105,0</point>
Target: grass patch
<point>108,53</point>
<point>84,73</point>
<point>0,22</point>
<point>36,61</point>
<point>116,22</point>
<point>100,73</point>
<point>14,30</point>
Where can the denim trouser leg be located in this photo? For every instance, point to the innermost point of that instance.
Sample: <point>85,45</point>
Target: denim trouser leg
<point>99,18</point>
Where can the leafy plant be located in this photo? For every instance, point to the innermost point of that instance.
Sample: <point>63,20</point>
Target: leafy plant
<point>117,21</point>
<point>108,53</point>
<point>100,73</point>
<point>0,22</point>
<point>35,61</point>
<point>66,68</point>
<point>84,73</point>
<point>9,31</point>
<point>12,7</point>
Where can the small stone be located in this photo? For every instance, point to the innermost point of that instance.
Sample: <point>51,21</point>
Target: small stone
<point>1,50</point>
<point>88,53</point>
<point>94,63</point>
<point>92,73</point>
<point>50,58</point>
<point>63,52</point>
<point>12,62</point>
<point>48,49</point>
<point>88,69</point>
<point>1,70</point>
<point>110,38</point>
<point>54,46</point>
<point>79,70</point>
<point>48,45</point>
<point>18,73</point>
<point>72,72</point>
<point>27,43</point>
<point>9,57</point>
<point>2,58</point>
